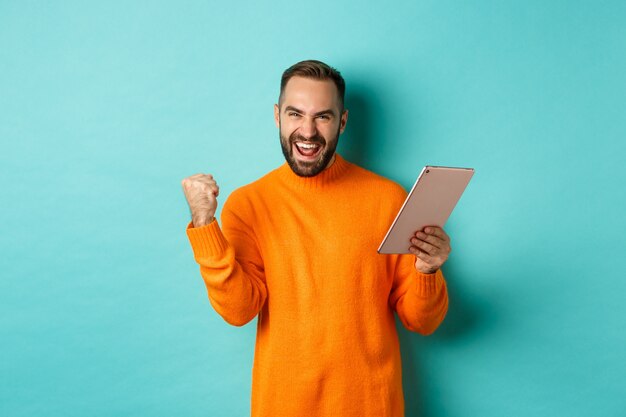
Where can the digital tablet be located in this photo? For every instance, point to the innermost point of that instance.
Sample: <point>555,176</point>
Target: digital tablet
<point>430,202</point>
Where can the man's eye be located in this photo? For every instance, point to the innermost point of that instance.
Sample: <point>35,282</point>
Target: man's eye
<point>293,114</point>
<point>324,117</point>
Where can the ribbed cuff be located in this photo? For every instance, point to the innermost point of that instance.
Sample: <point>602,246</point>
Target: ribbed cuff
<point>207,241</point>
<point>428,284</point>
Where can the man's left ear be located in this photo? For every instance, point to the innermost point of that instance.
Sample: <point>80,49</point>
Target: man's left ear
<point>344,120</point>
<point>277,115</point>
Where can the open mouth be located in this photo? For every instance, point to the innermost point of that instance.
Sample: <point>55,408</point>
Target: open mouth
<point>307,151</point>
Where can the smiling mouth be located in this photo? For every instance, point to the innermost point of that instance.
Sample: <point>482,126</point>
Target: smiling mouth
<point>307,150</point>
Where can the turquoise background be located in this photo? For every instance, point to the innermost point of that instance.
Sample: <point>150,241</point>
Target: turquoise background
<point>106,106</point>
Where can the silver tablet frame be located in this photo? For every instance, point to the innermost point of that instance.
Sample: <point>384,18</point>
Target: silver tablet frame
<point>434,195</point>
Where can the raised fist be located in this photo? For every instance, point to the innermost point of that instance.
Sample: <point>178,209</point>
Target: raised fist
<point>201,192</point>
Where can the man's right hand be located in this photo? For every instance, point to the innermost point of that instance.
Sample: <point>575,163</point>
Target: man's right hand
<point>201,192</point>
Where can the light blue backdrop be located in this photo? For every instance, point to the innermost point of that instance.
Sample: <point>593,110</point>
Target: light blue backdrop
<point>106,106</point>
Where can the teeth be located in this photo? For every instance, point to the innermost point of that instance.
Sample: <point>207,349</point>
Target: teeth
<point>307,145</point>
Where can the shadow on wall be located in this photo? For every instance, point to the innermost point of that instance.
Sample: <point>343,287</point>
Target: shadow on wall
<point>360,145</point>
<point>356,143</point>
<point>463,320</point>
<point>371,136</point>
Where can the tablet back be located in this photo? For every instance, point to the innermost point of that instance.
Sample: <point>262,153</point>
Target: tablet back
<point>430,202</point>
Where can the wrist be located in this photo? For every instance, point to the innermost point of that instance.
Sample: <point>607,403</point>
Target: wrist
<point>426,271</point>
<point>200,221</point>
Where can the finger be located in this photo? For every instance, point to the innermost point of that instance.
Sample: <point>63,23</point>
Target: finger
<point>188,186</point>
<point>201,180</point>
<point>436,231</point>
<point>190,181</point>
<point>200,190</point>
<point>203,191</point>
<point>426,258</point>
<point>204,180</point>
<point>202,186</point>
<point>425,246</point>
<point>194,187</point>
<point>433,240</point>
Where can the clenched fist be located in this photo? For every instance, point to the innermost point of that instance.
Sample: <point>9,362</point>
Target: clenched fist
<point>201,192</point>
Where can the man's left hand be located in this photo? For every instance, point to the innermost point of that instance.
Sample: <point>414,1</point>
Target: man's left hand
<point>431,248</point>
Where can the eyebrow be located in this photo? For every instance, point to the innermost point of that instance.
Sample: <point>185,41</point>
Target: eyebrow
<point>319,113</point>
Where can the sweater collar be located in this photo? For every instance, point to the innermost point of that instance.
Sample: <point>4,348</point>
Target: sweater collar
<point>324,178</point>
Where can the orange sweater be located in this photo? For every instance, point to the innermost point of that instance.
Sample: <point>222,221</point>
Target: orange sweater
<point>301,254</point>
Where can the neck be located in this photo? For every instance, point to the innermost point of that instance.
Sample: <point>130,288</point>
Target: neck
<point>335,169</point>
<point>330,163</point>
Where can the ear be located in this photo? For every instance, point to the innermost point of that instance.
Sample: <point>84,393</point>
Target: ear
<point>344,120</point>
<point>277,115</point>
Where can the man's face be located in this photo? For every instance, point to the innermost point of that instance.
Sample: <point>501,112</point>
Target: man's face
<point>310,120</point>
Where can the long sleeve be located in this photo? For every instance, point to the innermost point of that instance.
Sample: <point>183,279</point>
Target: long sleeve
<point>327,343</point>
<point>231,268</point>
<point>421,300</point>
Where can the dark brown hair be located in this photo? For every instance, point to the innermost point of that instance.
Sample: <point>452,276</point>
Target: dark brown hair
<point>316,70</point>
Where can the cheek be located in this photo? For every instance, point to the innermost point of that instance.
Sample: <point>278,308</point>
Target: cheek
<point>331,130</point>
<point>287,128</point>
<point>286,134</point>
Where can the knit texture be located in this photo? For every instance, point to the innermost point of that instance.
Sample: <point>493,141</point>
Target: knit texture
<point>301,254</point>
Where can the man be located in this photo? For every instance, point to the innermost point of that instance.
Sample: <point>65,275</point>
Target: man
<point>298,248</point>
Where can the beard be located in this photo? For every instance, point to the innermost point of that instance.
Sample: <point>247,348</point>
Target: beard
<point>308,168</point>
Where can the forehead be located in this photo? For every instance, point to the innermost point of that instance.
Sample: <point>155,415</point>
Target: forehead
<point>310,94</point>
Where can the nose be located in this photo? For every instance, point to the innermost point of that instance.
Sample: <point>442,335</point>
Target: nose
<point>308,129</point>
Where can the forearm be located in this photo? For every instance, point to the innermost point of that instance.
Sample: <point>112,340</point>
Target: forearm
<point>424,304</point>
<point>235,287</point>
